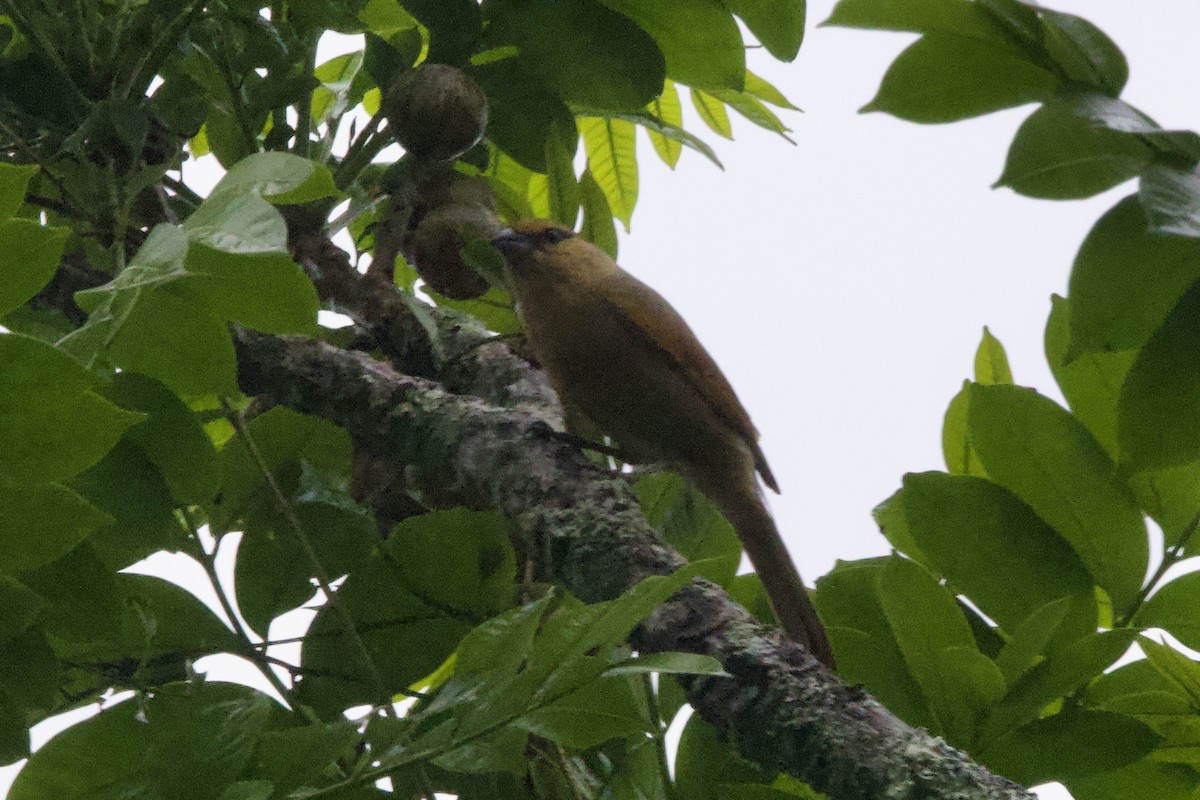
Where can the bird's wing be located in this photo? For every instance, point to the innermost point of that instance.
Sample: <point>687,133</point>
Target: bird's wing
<point>683,353</point>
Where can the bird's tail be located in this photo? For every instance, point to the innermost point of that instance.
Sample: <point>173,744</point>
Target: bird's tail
<point>756,529</point>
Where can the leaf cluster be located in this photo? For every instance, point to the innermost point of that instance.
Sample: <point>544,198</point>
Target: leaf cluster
<point>1022,580</point>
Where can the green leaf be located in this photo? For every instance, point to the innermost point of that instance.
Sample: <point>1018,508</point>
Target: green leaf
<point>1033,447</point>
<point>1084,52</point>
<point>760,88</point>
<point>960,683</point>
<point>268,291</point>
<point>28,259</point>
<point>1175,608</point>
<point>991,362</point>
<point>995,549</point>
<point>603,709</point>
<point>1074,743</point>
<point>1160,401</point>
<point>917,16</point>
<point>1069,668</point>
<point>691,524</point>
<point>1171,197</point>
<point>162,619</point>
<point>282,178</point>
<point>674,133</point>
<point>1059,155</point>
<point>407,637</point>
<point>612,159</point>
<point>523,111</point>
<point>667,108</point>
<point>712,112</point>
<point>456,559</point>
<point>1143,779</point>
<point>667,664</point>
<point>454,27</point>
<point>1181,671</point>
<point>1121,259</point>
<point>293,757</point>
<point>170,436</point>
<point>565,196</point>
<point>945,78</point>
<point>14,181</point>
<point>598,226</point>
<point>1031,638</point>
<point>128,487</point>
<point>187,742</point>
<point>961,458</point>
<point>752,109</point>
<point>591,56</point>
<point>284,439</point>
<point>848,601</point>
<point>21,607</point>
<point>53,425</point>
<point>699,39</point>
<point>237,222</point>
<point>1091,382</point>
<point>706,764</point>
<point>84,608</point>
<point>778,24</point>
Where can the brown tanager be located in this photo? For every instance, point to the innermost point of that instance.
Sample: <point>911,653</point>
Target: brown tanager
<point>620,355</point>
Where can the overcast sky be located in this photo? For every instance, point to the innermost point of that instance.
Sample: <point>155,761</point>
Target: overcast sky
<point>843,283</point>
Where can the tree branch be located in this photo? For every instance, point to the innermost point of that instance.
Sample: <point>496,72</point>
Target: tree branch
<point>782,708</point>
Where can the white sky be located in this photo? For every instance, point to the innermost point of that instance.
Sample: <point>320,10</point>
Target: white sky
<point>843,284</point>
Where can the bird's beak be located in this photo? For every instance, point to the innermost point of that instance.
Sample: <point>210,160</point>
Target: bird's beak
<point>509,242</point>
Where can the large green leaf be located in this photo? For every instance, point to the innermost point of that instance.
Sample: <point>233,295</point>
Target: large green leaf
<point>14,180</point>
<point>667,108</point>
<point>960,683</point>
<point>187,742</point>
<point>171,436</point>
<point>1119,260</point>
<point>778,24</point>
<point>917,16</point>
<point>39,524</point>
<point>1068,669</point>
<point>456,559</point>
<point>523,111</point>
<point>592,56</point>
<point>1160,401</point>
<point>1073,743</point>
<point>945,77</point>
<point>28,259</point>
<point>1059,155</point>
<point>699,39</point>
<point>994,549</point>
<point>612,159</point>
<point>1036,449</point>
<point>1084,52</point>
<point>52,423</point>
<point>1144,779</point>
<point>867,652</point>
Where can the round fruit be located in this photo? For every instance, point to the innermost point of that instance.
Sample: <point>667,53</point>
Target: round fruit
<point>436,111</point>
<point>436,249</point>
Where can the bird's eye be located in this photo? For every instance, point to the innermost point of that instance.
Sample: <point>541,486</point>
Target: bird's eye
<point>556,235</point>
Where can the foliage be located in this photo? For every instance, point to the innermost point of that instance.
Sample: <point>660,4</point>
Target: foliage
<point>1039,522</point>
<point>1019,574</point>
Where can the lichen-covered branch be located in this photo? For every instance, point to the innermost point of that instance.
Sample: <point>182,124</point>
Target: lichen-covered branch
<point>782,708</point>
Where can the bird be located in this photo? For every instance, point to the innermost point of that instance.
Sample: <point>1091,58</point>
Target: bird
<point>619,354</point>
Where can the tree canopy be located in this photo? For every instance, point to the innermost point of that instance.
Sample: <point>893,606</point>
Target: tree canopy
<point>495,612</point>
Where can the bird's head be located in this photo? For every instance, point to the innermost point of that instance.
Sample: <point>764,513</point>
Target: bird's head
<point>540,248</point>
